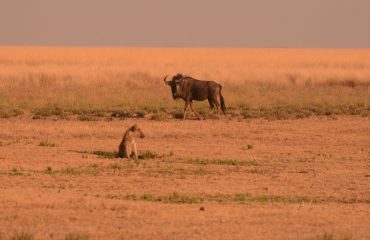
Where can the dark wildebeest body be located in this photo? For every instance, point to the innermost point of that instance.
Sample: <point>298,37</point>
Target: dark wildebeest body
<point>190,89</point>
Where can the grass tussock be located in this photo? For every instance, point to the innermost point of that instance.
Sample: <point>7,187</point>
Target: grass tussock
<point>229,162</point>
<point>159,116</point>
<point>16,172</point>
<point>241,198</point>
<point>46,143</point>
<point>10,112</point>
<point>147,154</point>
<point>85,117</point>
<point>177,171</point>
<point>327,236</point>
<point>178,114</point>
<point>47,111</point>
<point>22,236</point>
<point>172,198</point>
<point>71,171</point>
<point>92,170</point>
<point>116,166</point>
<point>106,154</point>
<point>77,236</point>
<point>49,170</point>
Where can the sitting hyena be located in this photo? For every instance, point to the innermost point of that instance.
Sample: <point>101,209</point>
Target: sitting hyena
<point>127,148</point>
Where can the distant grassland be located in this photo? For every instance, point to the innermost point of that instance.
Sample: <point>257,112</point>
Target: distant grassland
<point>96,82</point>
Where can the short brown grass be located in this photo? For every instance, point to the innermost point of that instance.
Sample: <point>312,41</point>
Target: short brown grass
<point>23,236</point>
<point>241,198</point>
<point>270,83</point>
<point>77,236</point>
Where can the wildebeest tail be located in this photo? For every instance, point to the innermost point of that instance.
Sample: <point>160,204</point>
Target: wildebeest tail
<point>223,107</point>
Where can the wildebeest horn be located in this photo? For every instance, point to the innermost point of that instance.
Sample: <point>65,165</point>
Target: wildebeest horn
<point>165,79</point>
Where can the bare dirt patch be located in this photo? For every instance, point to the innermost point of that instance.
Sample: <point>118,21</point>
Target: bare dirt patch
<point>214,179</point>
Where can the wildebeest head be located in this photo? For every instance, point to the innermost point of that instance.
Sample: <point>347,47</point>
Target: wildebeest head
<point>174,84</point>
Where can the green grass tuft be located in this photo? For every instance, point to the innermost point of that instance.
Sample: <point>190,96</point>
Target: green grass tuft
<point>49,170</point>
<point>178,114</point>
<point>229,162</point>
<point>77,236</point>
<point>158,116</point>
<point>106,154</point>
<point>240,198</point>
<point>85,117</point>
<point>70,171</point>
<point>11,112</point>
<point>141,114</point>
<point>148,155</point>
<point>116,166</point>
<point>15,172</point>
<point>46,143</point>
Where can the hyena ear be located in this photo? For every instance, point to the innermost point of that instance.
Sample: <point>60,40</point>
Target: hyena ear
<point>134,126</point>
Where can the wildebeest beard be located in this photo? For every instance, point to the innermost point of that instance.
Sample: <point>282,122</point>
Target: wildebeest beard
<point>175,89</point>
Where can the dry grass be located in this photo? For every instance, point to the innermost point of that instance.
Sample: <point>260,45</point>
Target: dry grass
<point>93,82</point>
<point>298,179</point>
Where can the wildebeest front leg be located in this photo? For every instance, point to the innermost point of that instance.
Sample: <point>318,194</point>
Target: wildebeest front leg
<point>211,107</point>
<point>185,108</point>
<point>191,107</point>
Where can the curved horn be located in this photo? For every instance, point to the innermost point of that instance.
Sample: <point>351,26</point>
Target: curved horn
<point>164,79</point>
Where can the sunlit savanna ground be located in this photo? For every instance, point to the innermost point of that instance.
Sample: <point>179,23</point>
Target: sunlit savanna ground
<point>289,160</point>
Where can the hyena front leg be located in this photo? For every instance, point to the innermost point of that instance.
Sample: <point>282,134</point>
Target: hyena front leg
<point>134,149</point>
<point>128,151</point>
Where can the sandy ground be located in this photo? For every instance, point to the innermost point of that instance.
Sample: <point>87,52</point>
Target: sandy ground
<point>249,179</point>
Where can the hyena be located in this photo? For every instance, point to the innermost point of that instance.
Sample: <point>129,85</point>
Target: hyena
<point>127,148</point>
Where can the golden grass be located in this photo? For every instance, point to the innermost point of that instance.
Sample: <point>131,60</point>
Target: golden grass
<point>82,80</point>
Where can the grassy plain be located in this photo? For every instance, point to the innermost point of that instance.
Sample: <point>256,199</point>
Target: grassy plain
<point>242,176</point>
<point>271,83</point>
<point>215,179</point>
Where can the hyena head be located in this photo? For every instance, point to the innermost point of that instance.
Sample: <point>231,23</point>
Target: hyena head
<point>137,130</point>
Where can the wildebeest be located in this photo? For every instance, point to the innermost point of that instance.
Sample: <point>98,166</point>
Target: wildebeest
<point>190,89</point>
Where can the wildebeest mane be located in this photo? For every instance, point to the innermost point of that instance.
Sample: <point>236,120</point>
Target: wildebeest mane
<point>179,76</point>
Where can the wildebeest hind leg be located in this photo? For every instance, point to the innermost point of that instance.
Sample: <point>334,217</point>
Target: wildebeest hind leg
<point>218,106</point>
<point>211,106</point>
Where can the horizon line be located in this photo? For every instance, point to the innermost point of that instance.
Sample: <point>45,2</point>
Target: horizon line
<point>168,47</point>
